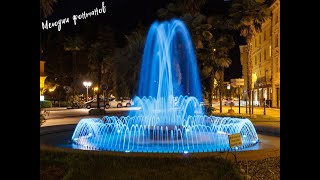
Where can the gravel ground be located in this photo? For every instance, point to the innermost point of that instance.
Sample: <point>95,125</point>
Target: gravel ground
<point>268,168</point>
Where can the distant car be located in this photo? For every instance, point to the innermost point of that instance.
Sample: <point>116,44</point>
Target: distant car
<point>118,103</point>
<point>93,103</point>
<point>228,101</point>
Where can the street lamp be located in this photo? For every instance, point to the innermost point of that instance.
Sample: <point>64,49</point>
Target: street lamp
<point>87,85</point>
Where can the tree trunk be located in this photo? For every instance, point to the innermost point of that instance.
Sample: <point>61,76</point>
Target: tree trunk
<point>249,74</point>
<point>221,88</point>
<point>99,80</point>
<point>211,89</point>
<point>74,73</point>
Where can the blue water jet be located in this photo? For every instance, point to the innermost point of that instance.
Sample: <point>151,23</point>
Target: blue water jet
<point>171,119</point>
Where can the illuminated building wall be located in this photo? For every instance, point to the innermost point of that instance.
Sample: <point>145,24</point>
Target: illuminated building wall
<point>265,59</point>
<point>42,76</point>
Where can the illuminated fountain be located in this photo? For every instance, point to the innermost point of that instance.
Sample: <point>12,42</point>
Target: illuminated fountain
<point>171,119</point>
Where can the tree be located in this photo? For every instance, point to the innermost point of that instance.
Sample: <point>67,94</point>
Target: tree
<point>181,8</point>
<point>74,44</point>
<point>134,51</point>
<point>248,17</point>
<point>46,7</point>
<point>100,53</point>
<point>214,41</point>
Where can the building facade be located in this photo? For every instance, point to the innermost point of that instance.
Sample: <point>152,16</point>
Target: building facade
<point>265,60</point>
<point>42,76</point>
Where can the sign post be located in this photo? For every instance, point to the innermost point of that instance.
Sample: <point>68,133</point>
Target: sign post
<point>234,141</point>
<point>104,87</point>
<point>237,83</point>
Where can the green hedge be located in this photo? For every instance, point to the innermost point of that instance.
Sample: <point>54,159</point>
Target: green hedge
<point>62,104</point>
<point>232,115</point>
<point>45,104</point>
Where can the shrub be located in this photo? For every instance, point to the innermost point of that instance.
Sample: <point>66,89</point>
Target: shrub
<point>62,104</point>
<point>45,104</point>
<point>232,115</point>
<point>95,112</point>
<point>208,110</point>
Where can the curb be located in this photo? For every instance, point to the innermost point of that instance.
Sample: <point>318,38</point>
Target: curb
<point>56,129</point>
<point>267,130</point>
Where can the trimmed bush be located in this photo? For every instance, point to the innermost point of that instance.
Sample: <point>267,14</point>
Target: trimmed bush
<point>208,110</point>
<point>232,115</point>
<point>62,104</point>
<point>95,112</point>
<point>45,104</point>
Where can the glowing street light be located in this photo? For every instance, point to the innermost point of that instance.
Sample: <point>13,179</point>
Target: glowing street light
<point>87,85</point>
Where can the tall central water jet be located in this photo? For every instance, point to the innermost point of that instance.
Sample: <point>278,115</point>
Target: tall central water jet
<point>168,72</point>
<point>171,118</point>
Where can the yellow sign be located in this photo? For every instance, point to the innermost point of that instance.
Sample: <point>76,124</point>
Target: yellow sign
<point>235,140</point>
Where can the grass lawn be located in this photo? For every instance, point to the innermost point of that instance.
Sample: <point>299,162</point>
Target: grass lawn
<point>58,163</point>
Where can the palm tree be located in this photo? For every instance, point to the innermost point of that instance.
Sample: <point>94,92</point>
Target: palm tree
<point>74,45</point>
<point>216,41</point>
<point>100,53</point>
<point>134,49</point>
<point>46,7</point>
<point>190,6</point>
<point>248,17</point>
<point>181,8</point>
<point>96,57</point>
<point>221,64</point>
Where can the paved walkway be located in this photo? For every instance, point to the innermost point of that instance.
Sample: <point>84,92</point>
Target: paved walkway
<point>268,124</point>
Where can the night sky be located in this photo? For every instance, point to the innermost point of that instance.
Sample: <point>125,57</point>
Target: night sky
<point>123,16</point>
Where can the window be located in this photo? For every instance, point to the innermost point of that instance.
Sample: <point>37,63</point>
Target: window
<point>260,39</point>
<point>255,42</point>
<point>265,54</point>
<point>276,41</point>
<point>277,64</point>
<point>270,51</point>
<point>260,56</point>
<point>265,35</point>
<point>270,31</point>
<point>255,60</point>
<point>276,18</point>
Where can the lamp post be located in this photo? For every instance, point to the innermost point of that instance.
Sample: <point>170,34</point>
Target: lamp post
<point>87,85</point>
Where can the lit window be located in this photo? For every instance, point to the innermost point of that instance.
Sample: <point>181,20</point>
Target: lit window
<point>270,50</point>
<point>260,57</point>
<point>259,39</point>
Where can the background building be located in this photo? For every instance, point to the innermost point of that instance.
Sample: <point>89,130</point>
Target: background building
<point>243,61</point>
<point>275,9</point>
<point>42,76</point>
<point>265,60</point>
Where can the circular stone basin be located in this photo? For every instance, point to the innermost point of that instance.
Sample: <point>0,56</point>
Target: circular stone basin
<point>60,136</point>
<point>133,134</point>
